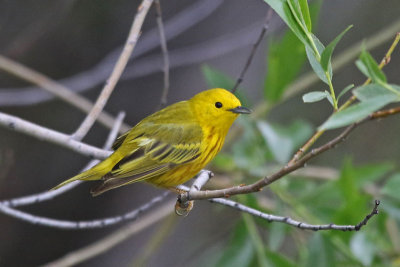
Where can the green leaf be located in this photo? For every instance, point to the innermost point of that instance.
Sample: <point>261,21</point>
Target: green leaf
<point>392,208</point>
<point>315,96</point>
<point>277,234</point>
<point>329,97</point>
<point>392,187</point>
<point>320,252</point>
<point>345,90</point>
<point>282,8</point>
<point>283,140</point>
<point>371,91</point>
<point>285,59</point>
<point>279,260</point>
<point>216,79</point>
<point>363,248</point>
<point>355,112</point>
<point>315,60</point>
<point>240,251</point>
<point>306,14</point>
<point>370,68</point>
<point>327,53</point>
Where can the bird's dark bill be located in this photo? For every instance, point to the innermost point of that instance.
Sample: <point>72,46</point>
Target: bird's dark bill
<point>240,110</point>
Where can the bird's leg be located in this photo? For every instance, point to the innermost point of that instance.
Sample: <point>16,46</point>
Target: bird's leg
<point>181,209</point>
<point>176,190</point>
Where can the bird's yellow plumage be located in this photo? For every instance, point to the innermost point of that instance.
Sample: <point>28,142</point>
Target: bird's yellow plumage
<point>170,146</point>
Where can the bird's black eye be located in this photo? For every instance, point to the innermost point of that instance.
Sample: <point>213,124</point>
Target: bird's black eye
<point>218,104</point>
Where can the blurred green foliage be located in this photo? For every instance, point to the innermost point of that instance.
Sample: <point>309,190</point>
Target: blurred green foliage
<point>343,199</point>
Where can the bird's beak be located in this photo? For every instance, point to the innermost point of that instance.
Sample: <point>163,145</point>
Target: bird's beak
<point>240,110</point>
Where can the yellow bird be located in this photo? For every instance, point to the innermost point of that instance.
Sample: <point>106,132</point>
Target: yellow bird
<point>170,146</point>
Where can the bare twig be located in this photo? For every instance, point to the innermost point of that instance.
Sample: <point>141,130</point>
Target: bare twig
<point>257,186</point>
<point>253,50</point>
<point>292,222</point>
<point>45,134</point>
<point>148,65</point>
<point>54,88</point>
<point>86,80</point>
<point>48,195</point>
<point>120,235</point>
<point>164,49</point>
<point>80,225</point>
<point>117,71</point>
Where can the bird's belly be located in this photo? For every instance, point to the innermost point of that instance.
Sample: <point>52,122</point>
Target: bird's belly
<point>176,176</point>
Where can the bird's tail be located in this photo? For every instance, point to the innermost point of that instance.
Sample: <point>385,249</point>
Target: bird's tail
<point>96,172</point>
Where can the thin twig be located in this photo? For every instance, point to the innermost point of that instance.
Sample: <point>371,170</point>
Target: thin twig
<point>120,235</point>
<point>292,222</point>
<point>164,49</point>
<point>45,134</point>
<point>385,60</point>
<point>80,225</point>
<point>54,88</point>
<point>199,53</point>
<point>257,186</point>
<point>119,67</point>
<point>253,50</point>
<point>48,195</point>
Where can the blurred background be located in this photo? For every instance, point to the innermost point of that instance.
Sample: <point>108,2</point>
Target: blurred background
<point>77,42</point>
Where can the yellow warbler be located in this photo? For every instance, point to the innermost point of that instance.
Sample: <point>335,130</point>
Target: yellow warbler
<point>170,146</point>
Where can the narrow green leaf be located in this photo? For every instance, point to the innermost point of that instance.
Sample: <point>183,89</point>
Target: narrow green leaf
<point>306,14</point>
<point>240,250</point>
<point>280,260</point>
<point>283,140</point>
<point>216,79</point>
<point>327,53</point>
<point>315,96</point>
<point>315,65</point>
<point>355,113</point>
<point>281,146</point>
<point>363,248</point>
<point>371,67</point>
<point>315,60</point>
<point>371,91</point>
<point>282,8</point>
<point>392,187</point>
<point>285,59</point>
<point>345,90</point>
<point>329,97</point>
<point>321,253</point>
<point>361,67</point>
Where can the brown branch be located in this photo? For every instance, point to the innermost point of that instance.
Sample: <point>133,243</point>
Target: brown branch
<point>117,71</point>
<point>253,50</point>
<point>257,186</point>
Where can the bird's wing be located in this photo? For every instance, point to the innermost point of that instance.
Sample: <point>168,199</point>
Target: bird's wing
<point>158,150</point>
<point>150,154</point>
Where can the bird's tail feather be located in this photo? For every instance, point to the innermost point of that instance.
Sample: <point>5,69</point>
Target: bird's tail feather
<point>96,172</point>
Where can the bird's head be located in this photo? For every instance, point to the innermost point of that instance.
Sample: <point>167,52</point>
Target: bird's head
<point>217,107</point>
